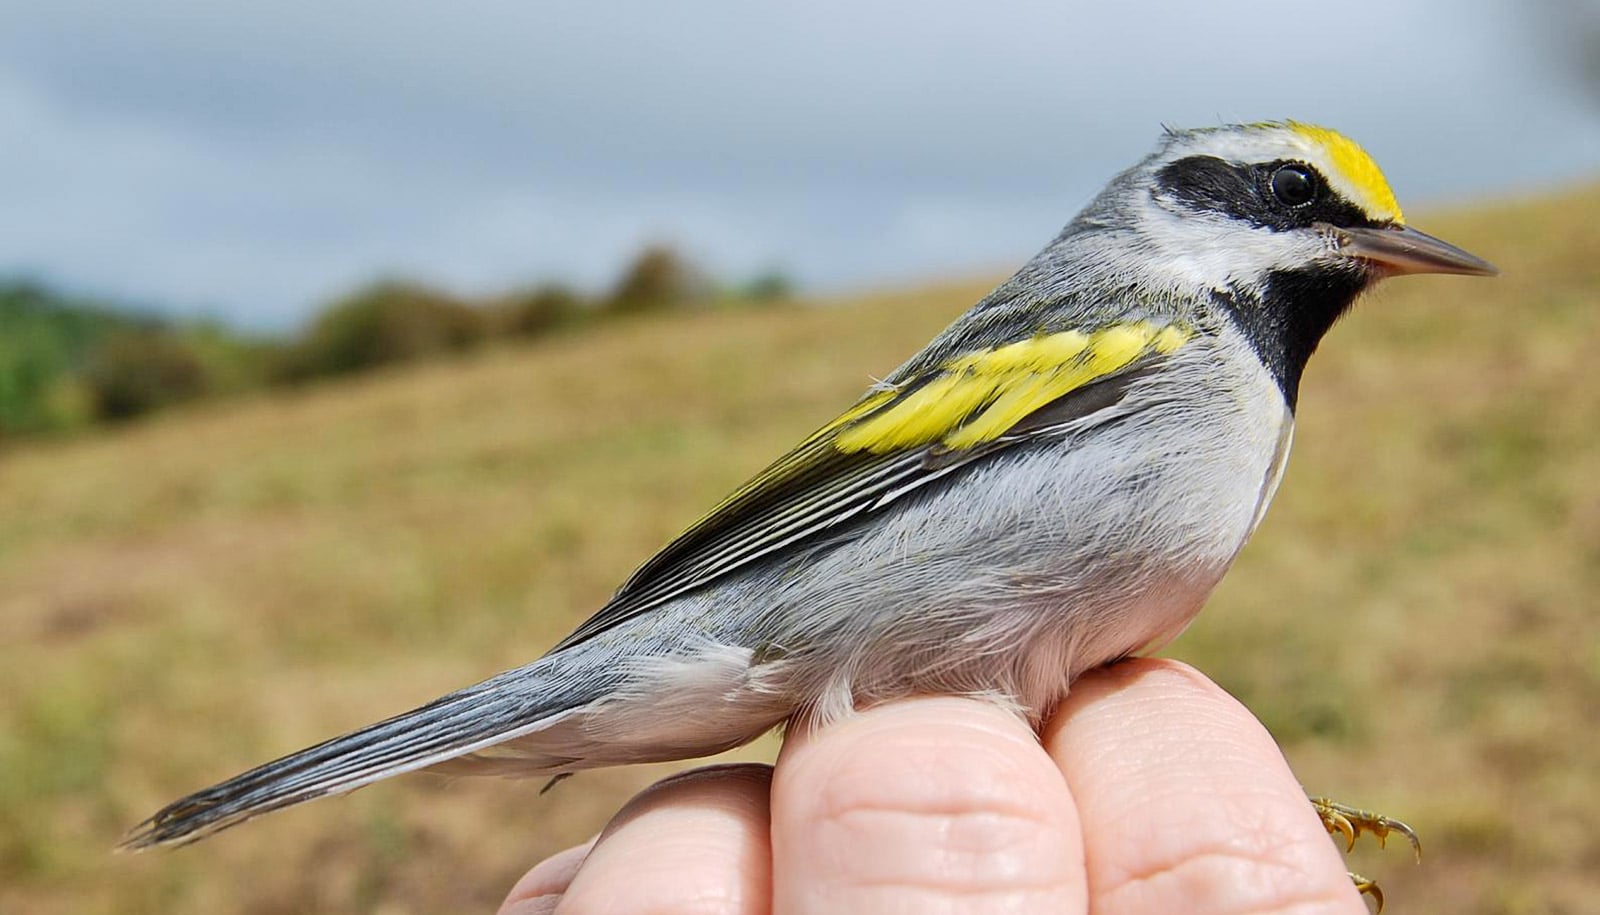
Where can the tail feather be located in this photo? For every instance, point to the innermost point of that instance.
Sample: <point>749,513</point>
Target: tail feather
<point>460,723</point>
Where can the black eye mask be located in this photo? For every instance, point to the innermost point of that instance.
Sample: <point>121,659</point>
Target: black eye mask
<point>1282,195</point>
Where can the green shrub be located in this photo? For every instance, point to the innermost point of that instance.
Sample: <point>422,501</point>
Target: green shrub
<point>44,339</point>
<point>659,278</point>
<point>771,286</point>
<point>385,323</point>
<point>233,363</point>
<point>535,311</point>
<point>133,372</point>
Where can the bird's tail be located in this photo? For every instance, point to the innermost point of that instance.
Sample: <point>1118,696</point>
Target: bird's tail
<point>494,711</point>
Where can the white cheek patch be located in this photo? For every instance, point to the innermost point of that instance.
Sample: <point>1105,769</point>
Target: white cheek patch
<point>1215,252</point>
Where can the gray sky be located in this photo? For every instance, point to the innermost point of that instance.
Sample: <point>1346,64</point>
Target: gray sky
<point>249,160</point>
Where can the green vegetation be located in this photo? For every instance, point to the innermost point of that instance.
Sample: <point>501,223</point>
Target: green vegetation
<point>657,280</point>
<point>66,363</point>
<point>188,596</point>
<point>134,372</point>
<point>387,322</point>
<point>47,339</point>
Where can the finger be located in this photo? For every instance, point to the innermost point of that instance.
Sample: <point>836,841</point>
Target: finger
<point>540,888</point>
<point>696,842</point>
<point>1187,803</point>
<point>926,805</point>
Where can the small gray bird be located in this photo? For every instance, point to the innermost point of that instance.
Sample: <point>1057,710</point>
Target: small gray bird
<point>1057,481</point>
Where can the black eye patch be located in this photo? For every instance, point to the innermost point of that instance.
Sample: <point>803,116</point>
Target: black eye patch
<point>1251,192</point>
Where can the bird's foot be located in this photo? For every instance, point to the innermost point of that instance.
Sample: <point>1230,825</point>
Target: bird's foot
<point>1351,822</point>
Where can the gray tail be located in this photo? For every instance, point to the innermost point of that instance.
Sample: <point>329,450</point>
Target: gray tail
<point>463,722</point>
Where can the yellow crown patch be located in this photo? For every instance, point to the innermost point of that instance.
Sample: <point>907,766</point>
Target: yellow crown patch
<point>1359,172</point>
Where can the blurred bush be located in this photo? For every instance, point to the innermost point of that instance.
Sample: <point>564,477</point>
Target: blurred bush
<point>535,311</point>
<point>233,363</point>
<point>133,372</point>
<point>45,342</point>
<point>33,361</point>
<point>66,362</point>
<point>658,279</point>
<point>385,323</point>
<point>771,286</point>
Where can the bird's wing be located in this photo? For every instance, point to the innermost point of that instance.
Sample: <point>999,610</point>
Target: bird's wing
<point>891,442</point>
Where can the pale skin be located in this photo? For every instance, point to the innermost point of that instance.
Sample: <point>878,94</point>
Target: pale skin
<point>1149,791</point>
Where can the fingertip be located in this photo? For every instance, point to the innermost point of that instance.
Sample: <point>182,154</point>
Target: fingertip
<point>697,841</point>
<point>914,804</point>
<point>739,790</point>
<point>541,887</point>
<point>913,718</point>
<point>1141,685</point>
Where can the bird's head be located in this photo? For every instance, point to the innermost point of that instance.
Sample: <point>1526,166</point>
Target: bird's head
<point>1281,225</point>
<point>1228,207</point>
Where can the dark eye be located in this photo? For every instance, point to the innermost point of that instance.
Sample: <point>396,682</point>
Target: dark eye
<point>1294,185</point>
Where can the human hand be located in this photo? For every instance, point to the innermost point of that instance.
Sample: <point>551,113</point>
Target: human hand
<point>1149,791</point>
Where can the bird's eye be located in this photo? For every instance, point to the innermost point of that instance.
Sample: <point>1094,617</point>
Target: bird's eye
<point>1294,185</point>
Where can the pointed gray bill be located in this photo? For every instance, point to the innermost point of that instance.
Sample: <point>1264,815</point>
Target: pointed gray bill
<point>1401,249</point>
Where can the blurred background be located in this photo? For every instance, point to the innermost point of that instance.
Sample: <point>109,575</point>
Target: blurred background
<point>351,352</point>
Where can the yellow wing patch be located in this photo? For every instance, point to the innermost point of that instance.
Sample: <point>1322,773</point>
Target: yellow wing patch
<point>1356,167</point>
<point>977,397</point>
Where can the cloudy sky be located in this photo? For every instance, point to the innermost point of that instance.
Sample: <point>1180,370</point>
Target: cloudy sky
<point>249,160</point>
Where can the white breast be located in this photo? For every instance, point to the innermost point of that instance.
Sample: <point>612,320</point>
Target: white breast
<point>1049,560</point>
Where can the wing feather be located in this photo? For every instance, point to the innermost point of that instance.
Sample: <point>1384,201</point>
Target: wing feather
<point>893,441</point>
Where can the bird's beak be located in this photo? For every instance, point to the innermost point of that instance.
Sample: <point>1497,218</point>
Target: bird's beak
<point>1397,249</point>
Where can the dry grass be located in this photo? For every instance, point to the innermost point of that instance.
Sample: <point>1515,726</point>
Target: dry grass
<point>185,598</point>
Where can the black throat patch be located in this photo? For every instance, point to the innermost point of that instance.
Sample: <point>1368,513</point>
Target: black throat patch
<point>1285,314</point>
<point>1286,319</point>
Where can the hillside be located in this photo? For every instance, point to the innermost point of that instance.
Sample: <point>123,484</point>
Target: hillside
<point>185,597</point>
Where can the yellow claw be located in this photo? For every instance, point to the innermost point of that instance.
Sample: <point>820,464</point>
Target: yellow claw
<point>1351,822</point>
<point>1368,888</point>
<point>1333,822</point>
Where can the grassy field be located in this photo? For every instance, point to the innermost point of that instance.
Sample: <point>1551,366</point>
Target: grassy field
<point>1416,620</point>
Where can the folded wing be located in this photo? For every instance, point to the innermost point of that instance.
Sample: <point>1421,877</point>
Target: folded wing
<point>895,440</point>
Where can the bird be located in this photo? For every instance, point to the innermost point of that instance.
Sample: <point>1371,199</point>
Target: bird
<point>1057,481</point>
